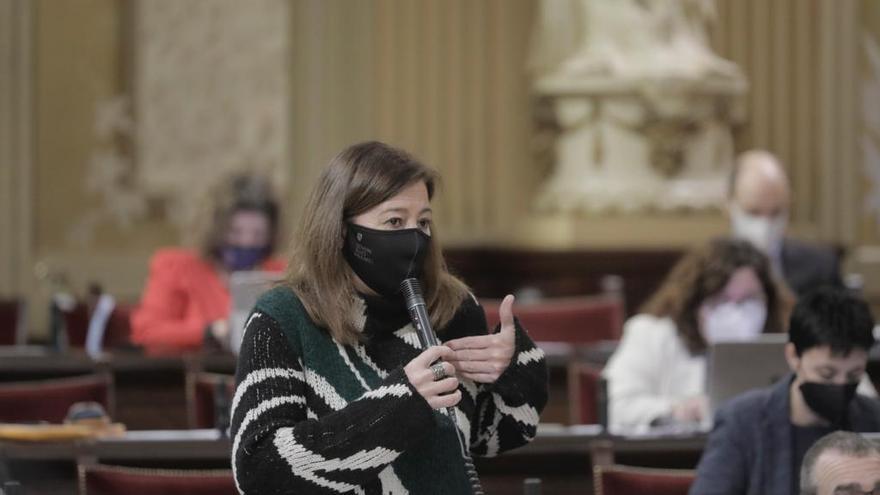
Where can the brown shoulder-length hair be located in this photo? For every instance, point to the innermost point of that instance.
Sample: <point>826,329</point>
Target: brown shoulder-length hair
<point>356,180</point>
<point>231,194</point>
<point>703,273</point>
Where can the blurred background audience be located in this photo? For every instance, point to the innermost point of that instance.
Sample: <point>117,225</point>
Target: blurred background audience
<point>186,300</point>
<point>723,291</point>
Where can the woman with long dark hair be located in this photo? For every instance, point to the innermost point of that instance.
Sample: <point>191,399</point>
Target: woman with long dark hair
<point>722,291</point>
<point>334,393</point>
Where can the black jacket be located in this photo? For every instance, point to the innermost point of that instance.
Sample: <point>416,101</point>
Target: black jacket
<point>750,448</point>
<point>808,266</point>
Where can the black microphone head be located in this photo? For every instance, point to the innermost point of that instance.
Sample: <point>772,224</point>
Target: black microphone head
<point>412,291</point>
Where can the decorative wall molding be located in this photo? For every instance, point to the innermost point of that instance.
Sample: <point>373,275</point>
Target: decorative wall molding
<point>211,89</point>
<point>210,95</point>
<point>870,139</point>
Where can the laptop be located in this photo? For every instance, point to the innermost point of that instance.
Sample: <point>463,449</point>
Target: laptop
<point>245,288</point>
<point>736,367</point>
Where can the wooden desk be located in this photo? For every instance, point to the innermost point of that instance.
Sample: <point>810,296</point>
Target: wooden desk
<point>210,445</point>
<point>143,445</point>
<point>50,468</point>
<point>141,382</point>
<point>32,361</point>
<point>562,456</point>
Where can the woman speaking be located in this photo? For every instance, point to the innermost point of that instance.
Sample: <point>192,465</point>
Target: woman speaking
<point>334,393</point>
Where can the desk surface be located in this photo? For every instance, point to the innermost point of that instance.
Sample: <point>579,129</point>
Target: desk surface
<point>561,456</point>
<point>27,358</point>
<point>135,445</point>
<point>211,445</point>
<point>42,360</point>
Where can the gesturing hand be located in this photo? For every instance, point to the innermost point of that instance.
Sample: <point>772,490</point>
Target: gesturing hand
<point>422,378</point>
<point>691,410</point>
<point>483,358</point>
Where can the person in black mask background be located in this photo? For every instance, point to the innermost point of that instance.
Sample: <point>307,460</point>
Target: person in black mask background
<point>759,439</point>
<point>186,300</point>
<point>334,393</point>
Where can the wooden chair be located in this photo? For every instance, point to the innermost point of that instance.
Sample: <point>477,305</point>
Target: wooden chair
<point>575,320</point>
<point>13,322</point>
<point>209,397</point>
<point>625,480</point>
<point>49,400</point>
<point>116,334</point>
<point>584,387</point>
<point>102,479</point>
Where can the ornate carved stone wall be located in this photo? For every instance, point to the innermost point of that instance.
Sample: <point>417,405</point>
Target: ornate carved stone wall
<point>211,89</point>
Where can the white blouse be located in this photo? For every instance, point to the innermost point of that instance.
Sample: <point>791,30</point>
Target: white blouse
<point>652,370</point>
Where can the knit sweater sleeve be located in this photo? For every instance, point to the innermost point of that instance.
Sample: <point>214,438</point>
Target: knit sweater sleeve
<point>506,412</point>
<point>279,445</point>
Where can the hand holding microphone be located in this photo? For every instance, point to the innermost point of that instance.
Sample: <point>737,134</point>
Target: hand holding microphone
<point>429,375</point>
<point>434,379</point>
<point>418,314</point>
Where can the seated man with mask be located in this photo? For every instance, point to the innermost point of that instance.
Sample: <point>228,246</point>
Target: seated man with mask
<point>759,438</point>
<point>758,207</point>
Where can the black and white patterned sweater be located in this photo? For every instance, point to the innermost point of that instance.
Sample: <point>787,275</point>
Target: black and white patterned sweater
<point>312,416</point>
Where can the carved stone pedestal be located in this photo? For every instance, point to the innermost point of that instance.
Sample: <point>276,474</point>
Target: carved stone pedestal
<point>638,146</point>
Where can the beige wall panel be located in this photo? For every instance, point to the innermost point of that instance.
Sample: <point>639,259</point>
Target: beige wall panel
<point>76,66</point>
<point>16,153</point>
<point>798,57</point>
<point>331,67</point>
<point>452,88</point>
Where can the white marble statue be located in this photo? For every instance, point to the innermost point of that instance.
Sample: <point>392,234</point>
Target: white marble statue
<point>642,104</point>
<point>628,39</point>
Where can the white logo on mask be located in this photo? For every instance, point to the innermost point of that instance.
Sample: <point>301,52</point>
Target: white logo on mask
<point>734,322</point>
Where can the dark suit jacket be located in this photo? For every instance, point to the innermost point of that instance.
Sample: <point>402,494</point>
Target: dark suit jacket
<point>750,448</point>
<point>808,266</point>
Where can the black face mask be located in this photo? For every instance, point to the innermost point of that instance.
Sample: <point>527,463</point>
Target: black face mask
<point>829,401</point>
<point>385,258</point>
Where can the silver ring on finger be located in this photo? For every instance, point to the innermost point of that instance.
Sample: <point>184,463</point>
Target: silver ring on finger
<point>439,371</point>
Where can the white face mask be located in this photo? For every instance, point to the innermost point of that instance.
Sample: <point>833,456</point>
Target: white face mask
<point>734,322</point>
<point>764,233</point>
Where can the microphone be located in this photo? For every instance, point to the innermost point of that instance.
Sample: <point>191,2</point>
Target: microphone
<point>418,314</point>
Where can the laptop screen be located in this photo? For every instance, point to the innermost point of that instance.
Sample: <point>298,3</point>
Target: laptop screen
<point>736,367</point>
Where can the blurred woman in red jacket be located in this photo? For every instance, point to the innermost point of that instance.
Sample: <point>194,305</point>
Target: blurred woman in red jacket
<point>186,300</point>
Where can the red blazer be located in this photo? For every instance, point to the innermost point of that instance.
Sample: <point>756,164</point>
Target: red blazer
<point>183,294</point>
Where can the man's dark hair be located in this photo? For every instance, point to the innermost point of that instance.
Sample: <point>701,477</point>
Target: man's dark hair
<point>833,317</point>
<point>845,442</point>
